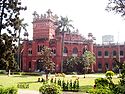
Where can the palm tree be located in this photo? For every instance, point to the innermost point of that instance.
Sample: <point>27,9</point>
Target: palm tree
<point>63,26</point>
<point>20,26</point>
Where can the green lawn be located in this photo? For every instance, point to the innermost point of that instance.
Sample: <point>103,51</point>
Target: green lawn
<point>85,83</point>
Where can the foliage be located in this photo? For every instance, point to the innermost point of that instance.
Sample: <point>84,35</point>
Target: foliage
<point>9,90</point>
<point>10,23</point>
<point>50,89</point>
<point>46,54</point>
<point>118,6</point>
<point>109,74</point>
<point>59,74</point>
<point>2,72</point>
<point>106,85</point>
<point>70,64</point>
<point>101,83</point>
<point>63,26</point>
<point>79,64</point>
<point>10,15</point>
<point>67,85</point>
<point>7,49</point>
<point>100,91</point>
<point>23,85</point>
<point>89,58</point>
<point>48,64</point>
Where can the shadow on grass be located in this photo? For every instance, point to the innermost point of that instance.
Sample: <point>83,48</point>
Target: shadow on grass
<point>85,88</point>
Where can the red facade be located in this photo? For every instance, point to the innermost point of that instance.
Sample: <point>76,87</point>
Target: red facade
<point>74,45</point>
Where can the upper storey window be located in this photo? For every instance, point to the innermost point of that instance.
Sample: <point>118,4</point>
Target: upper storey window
<point>99,53</point>
<point>65,50</point>
<point>75,50</point>
<point>106,53</point>
<point>121,53</point>
<point>39,48</point>
<point>114,53</point>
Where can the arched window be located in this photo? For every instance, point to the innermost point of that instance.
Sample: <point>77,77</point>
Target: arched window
<point>106,66</point>
<point>65,50</point>
<point>99,65</point>
<point>39,66</point>
<point>75,50</point>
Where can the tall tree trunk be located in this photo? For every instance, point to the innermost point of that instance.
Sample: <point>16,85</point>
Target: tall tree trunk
<point>1,16</point>
<point>19,63</point>
<point>62,51</point>
<point>47,77</point>
<point>9,72</point>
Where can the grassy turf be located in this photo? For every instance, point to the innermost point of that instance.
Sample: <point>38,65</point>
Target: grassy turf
<point>85,83</point>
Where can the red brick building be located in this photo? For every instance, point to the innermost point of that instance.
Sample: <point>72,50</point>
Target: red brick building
<point>74,45</point>
<point>105,54</point>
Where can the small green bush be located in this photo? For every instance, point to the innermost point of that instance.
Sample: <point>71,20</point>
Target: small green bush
<point>9,90</point>
<point>101,83</point>
<point>23,85</point>
<point>50,89</point>
<point>2,71</point>
<point>60,75</point>
<point>109,74</point>
<point>100,91</point>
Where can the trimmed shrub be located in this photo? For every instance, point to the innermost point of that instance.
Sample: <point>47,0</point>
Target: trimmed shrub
<point>9,90</point>
<point>101,82</point>
<point>50,89</point>
<point>23,85</point>
<point>2,71</point>
<point>100,91</point>
<point>109,74</point>
<point>60,75</point>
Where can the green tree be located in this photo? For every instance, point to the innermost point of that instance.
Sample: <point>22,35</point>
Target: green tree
<point>10,15</point>
<point>9,27</point>
<point>79,64</point>
<point>48,64</point>
<point>118,6</point>
<point>87,59</point>
<point>21,25</point>
<point>63,26</point>
<point>70,64</point>
<point>7,49</point>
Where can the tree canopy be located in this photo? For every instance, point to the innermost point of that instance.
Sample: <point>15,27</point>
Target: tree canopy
<point>10,23</point>
<point>63,26</point>
<point>79,64</point>
<point>48,64</point>
<point>118,6</point>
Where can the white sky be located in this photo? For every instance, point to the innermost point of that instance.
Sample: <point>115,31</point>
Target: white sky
<point>87,15</point>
